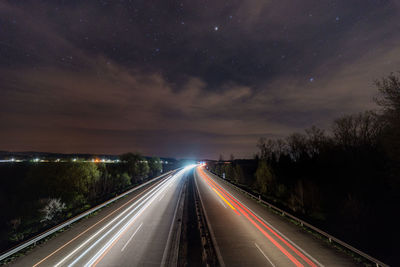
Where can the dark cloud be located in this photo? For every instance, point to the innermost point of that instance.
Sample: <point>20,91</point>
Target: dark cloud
<point>185,78</point>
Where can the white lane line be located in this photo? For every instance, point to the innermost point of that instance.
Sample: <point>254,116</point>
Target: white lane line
<point>220,201</point>
<point>131,237</point>
<point>262,252</point>
<point>161,197</point>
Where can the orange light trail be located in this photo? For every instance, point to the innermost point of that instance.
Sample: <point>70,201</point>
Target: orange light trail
<point>241,208</point>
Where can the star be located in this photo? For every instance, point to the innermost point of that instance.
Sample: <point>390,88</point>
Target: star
<point>312,79</point>
<point>216,28</point>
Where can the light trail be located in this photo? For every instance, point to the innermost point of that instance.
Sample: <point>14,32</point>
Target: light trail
<point>229,204</point>
<point>104,250</point>
<point>146,196</point>
<point>242,208</point>
<point>76,237</point>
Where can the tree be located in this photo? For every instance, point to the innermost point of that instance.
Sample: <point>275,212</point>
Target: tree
<point>74,183</point>
<point>238,174</point>
<point>297,146</point>
<point>353,131</point>
<point>389,95</point>
<point>136,166</point>
<point>122,181</point>
<point>389,101</point>
<point>265,180</point>
<point>52,211</point>
<point>316,139</point>
<point>155,166</point>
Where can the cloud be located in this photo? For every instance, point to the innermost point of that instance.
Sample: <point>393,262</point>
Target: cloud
<point>83,77</point>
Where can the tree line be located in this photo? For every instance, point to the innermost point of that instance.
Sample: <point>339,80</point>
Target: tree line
<point>36,196</point>
<point>346,180</point>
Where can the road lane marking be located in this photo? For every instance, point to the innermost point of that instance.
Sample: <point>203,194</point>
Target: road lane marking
<point>229,204</point>
<point>222,203</point>
<point>131,237</point>
<point>262,252</point>
<point>73,239</point>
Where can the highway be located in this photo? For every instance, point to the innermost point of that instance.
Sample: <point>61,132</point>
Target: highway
<point>248,234</point>
<point>143,229</point>
<point>138,230</point>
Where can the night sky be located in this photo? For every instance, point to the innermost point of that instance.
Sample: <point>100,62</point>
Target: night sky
<point>186,78</point>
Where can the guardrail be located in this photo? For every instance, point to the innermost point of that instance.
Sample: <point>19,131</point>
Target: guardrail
<point>303,223</point>
<point>56,228</point>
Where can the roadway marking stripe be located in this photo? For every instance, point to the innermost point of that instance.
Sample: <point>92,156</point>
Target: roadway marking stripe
<point>262,252</point>
<point>131,237</point>
<point>222,203</point>
<point>229,204</point>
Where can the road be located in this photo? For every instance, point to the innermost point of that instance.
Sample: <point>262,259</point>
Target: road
<point>248,234</point>
<point>136,231</point>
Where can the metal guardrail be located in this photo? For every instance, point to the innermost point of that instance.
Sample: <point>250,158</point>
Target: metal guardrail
<point>303,223</point>
<point>56,228</point>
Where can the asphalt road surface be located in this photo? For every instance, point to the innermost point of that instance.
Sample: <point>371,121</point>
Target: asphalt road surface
<point>248,234</point>
<point>135,231</point>
<point>139,229</point>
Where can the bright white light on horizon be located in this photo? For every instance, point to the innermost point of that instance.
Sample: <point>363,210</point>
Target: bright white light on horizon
<point>188,167</point>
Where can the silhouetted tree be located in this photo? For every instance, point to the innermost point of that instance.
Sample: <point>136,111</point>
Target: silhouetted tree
<point>136,166</point>
<point>155,166</point>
